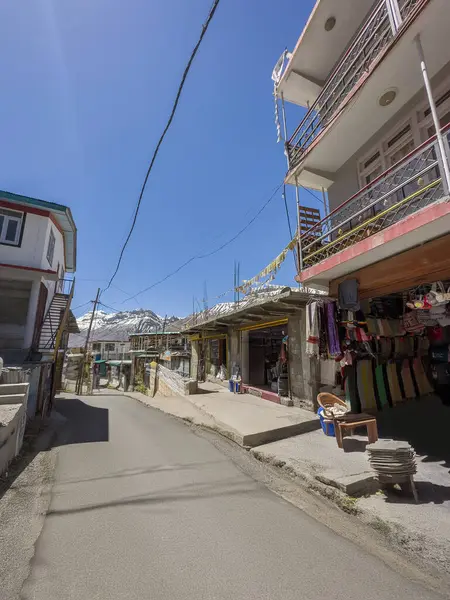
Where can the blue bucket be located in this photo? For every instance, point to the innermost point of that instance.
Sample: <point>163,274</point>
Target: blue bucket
<point>327,428</point>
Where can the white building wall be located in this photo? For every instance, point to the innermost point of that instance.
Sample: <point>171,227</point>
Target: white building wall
<point>33,249</point>
<point>58,255</point>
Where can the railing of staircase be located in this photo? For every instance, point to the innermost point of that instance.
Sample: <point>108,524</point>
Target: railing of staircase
<point>412,184</point>
<point>64,286</point>
<point>65,316</point>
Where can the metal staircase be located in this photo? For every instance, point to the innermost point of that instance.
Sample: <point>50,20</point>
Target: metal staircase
<point>56,318</point>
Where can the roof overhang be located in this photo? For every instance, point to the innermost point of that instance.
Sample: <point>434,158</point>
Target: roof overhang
<point>317,50</point>
<point>282,305</point>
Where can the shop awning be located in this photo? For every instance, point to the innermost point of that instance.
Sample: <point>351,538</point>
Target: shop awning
<point>117,363</point>
<point>254,313</point>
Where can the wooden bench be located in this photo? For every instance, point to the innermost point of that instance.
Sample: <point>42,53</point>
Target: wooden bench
<point>349,422</point>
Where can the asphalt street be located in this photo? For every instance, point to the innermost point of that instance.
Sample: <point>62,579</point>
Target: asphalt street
<point>143,507</point>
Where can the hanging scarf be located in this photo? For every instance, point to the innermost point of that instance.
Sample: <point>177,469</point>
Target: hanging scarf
<point>312,329</point>
<point>332,331</point>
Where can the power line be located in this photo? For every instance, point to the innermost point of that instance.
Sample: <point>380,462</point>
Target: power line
<point>207,254</point>
<point>163,135</point>
<point>81,305</point>
<point>313,195</point>
<point>287,212</point>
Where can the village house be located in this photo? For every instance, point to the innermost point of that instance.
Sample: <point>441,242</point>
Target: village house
<point>169,348</point>
<point>37,252</point>
<point>372,142</point>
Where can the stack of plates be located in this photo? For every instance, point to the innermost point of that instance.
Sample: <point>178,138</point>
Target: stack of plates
<point>392,460</point>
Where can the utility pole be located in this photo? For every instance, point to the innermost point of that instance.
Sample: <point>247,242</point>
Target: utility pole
<point>79,389</point>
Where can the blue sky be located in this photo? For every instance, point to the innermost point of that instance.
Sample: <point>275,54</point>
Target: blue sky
<point>87,87</point>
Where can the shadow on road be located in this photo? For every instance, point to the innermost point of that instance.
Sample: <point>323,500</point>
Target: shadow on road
<point>86,424</point>
<point>184,493</point>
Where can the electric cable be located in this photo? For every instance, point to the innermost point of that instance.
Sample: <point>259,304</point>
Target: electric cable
<point>163,135</point>
<point>207,254</point>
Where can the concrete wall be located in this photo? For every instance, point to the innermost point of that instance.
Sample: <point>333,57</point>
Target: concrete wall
<point>194,359</point>
<point>13,408</point>
<point>346,182</point>
<point>302,369</point>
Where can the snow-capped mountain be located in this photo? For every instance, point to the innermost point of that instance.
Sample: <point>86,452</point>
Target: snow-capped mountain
<point>118,326</point>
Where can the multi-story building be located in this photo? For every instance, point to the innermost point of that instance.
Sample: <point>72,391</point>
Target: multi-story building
<point>374,78</point>
<point>110,349</point>
<point>37,251</point>
<point>170,348</point>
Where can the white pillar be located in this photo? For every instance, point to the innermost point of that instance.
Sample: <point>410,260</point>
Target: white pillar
<point>437,125</point>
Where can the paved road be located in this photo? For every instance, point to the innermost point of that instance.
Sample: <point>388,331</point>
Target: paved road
<point>142,507</point>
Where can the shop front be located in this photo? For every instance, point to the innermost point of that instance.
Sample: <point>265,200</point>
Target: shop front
<point>392,322</point>
<point>210,361</point>
<point>267,368</point>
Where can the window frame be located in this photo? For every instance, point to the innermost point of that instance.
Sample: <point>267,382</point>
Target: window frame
<point>20,219</point>
<point>51,238</point>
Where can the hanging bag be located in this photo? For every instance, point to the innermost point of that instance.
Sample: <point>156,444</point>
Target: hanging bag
<point>411,322</point>
<point>438,295</point>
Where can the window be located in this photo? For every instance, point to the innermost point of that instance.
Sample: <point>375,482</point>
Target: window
<point>110,347</point>
<point>51,247</point>
<point>96,347</point>
<point>10,226</point>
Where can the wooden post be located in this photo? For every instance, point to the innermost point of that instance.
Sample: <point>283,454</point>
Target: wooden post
<point>79,389</point>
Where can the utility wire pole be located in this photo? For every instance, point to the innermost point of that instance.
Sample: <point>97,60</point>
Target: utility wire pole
<point>79,389</point>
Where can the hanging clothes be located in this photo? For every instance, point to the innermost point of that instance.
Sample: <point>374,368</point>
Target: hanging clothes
<point>381,386</point>
<point>351,388</point>
<point>366,385</point>
<point>423,384</point>
<point>323,346</point>
<point>312,329</point>
<point>349,294</point>
<point>394,386</point>
<point>332,330</point>
<point>408,384</point>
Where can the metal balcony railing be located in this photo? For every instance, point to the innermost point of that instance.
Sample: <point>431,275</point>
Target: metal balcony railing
<point>366,47</point>
<point>410,185</point>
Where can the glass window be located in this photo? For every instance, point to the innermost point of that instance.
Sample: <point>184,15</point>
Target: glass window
<point>51,247</point>
<point>110,347</point>
<point>10,226</point>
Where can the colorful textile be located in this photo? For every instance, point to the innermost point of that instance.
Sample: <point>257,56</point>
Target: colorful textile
<point>365,384</point>
<point>394,386</point>
<point>372,326</point>
<point>381,387</point>
<point>332,332</point>
<point>408,384</point>
<point>423,384</point>
<point>323,347</point>
<point>312,329</point>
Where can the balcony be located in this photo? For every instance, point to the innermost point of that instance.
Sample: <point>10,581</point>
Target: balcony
<point>345,239</point>
<point>365,51</point>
